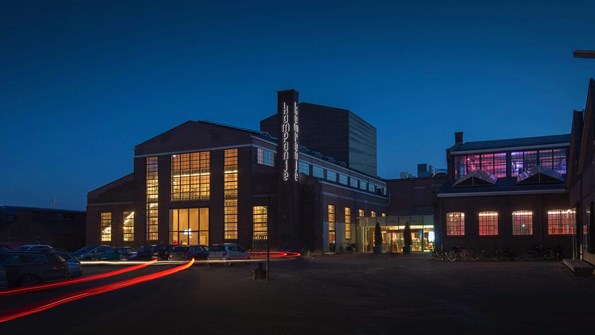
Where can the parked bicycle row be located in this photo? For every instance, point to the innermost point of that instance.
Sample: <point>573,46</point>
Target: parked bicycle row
<point>534,253</point>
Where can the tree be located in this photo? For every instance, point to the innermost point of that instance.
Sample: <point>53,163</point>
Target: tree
<point>377,239</point>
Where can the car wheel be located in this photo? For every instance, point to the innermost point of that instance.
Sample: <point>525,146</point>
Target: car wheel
<point>29,280</point>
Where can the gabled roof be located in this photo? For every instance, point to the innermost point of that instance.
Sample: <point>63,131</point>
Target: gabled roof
<point>527,142</point>
<point>476,178</point>
<point>539,175</point>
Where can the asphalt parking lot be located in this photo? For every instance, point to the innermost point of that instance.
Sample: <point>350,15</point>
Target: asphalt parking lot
<point>338,294</point>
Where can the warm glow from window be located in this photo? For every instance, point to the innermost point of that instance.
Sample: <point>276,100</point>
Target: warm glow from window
<point>259,226</point>
<point>455,224</point>
<point>347,223</point>
<point>561,222</point>
<point>522,223</point>
<point>331,224</point>
<point>106,227</point>
<point>190,176</point>
<point>488,223</point>
<point>230,194</point>
<point>188,226</point>
<point>128,227</point>
<point>152,207</point>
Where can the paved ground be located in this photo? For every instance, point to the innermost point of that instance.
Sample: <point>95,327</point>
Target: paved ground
<point>340,294</point>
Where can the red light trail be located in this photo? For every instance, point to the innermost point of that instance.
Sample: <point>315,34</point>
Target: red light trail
<point>75,281</point>
<point>274,254</point>
<point>39,307</point>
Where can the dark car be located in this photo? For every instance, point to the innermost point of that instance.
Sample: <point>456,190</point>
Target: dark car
<point>72,263</point>
<point>161,251</point>
<point>85,250</point>
<point>144,253</point>
<point>187,252</point>
<point>96,253</point>
<point>118,254</point>
<point>30,268</point>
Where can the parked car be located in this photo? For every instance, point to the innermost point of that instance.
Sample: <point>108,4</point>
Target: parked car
<point>227,252</point>
<point>33,247</point>
<point>96,253</point>
<point>84,250</point>
<point>144,253</point>
<point>73,264</point>
<point>27,268</point>
<point>161,251</point>
<point>118,254</point>
<point>187,252</point>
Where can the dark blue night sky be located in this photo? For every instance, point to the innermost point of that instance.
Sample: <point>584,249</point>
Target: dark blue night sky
<point>83,82</point>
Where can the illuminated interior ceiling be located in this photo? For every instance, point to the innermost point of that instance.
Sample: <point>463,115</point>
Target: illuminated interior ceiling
<point>539,175</point>
<point>476,178</point>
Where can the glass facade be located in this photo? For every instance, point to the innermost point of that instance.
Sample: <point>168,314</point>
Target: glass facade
<point>128,226</point>
<point>512,163</point>
<point>190,176</point>
<point>522,223</point>
<point>455,224</point>
<point>189,226</point>
<point>230,194</point>
<point>106,227</point>
<point>152,192</point>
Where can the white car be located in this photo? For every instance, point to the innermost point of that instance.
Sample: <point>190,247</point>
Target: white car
<point>228,253</point>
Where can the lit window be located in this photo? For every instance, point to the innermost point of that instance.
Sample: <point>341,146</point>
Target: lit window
<point>561,222</point>
<point>488,223</point>
<point>189,226</point>
<point>331,227</point>
<point>522,223</point>
<point>259,228</point>
<point>128,227</point>
<point>347,223</point>
<point>361,213</point>
<point>190,176</point>
<point>455,224</point>
<point>373,214</point>
<point>152,197</point>
<point>106,227</point>
<point>353,182</point>
<point>230,193</point>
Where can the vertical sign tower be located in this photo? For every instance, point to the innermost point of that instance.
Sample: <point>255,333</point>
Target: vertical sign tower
<point>287,163</point>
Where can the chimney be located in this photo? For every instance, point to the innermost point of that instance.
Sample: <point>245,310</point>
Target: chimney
<point>458,137</point>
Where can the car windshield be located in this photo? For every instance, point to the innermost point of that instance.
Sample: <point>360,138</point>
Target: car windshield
<point>217,248</point>
<point>84,249</point>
